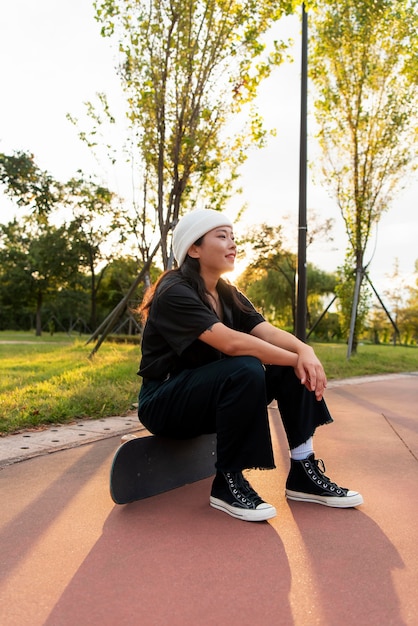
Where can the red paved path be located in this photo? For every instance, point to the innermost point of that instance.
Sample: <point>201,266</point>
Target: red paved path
<point>70,557</point>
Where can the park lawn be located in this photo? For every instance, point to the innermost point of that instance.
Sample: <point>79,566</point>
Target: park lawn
<point>368,360</point>
<point>51,379</point>
<point>56,382</point>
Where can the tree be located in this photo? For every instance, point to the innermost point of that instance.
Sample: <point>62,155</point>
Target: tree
<point>395,297</point>
<point>15,292</point>
<point>95,219</point>
<point>345,288</point>
<point>409,314</point>
<point>120,274</point>
<point>27,184</point>
<point>36,261</point>
<point>94,209</point>
<point>186,67</point>
<point>270,278</point>
<point>364,67</point>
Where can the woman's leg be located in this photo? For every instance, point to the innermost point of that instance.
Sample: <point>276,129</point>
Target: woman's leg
<point>227,397</point>
<point>301,413</point>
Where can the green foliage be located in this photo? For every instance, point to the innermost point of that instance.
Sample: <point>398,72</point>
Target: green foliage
<point>94,223</point>
<point>43,273</point>
<point>328,328</point>
<point>345,292</point>
<point>364,67</point>
<point>270,279</point>
<point>27,184</point>
<point>36,261</point>
<point>120,274</point>
<point>363,64</point>
<point>49,275</point>
<point>186,67</point>
<point>408,315</point>
<point>51,272</point>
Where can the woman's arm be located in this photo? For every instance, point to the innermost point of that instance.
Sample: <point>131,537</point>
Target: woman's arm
<point>272,346</point>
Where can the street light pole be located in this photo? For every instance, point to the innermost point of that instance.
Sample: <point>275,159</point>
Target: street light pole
<point>301,281</point>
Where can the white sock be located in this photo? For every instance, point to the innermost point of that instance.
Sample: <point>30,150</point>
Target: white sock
<point>303,451</point>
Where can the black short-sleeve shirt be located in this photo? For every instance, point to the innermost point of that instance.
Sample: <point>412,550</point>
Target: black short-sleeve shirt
<point>177,318</point>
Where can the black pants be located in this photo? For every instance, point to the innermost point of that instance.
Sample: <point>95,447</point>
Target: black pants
<point>230,397</point>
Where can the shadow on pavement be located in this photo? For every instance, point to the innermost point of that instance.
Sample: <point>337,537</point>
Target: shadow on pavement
<point>173,560</point>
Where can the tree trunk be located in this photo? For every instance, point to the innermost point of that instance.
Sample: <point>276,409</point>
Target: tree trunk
<point>93,300</point>
<point>352,339</point>
<point>38,314</point>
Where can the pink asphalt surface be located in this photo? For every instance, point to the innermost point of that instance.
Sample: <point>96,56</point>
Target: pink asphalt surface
<point>70,557</point>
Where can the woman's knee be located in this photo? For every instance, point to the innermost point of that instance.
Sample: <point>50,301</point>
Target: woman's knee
<point>249,368</point>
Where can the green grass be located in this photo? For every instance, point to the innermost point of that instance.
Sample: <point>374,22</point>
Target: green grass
<point>45,383</point>
<point>369,359</point>
<point>50,379</point>
<point>30,337</point>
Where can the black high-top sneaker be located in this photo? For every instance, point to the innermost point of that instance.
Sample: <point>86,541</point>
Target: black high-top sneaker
<point>233,494</point>
<point>307,483</point>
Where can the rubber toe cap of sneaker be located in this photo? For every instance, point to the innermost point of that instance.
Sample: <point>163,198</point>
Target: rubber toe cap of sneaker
<point>355,495</point>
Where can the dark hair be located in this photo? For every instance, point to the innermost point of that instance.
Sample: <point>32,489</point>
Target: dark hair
<point>190,271</point>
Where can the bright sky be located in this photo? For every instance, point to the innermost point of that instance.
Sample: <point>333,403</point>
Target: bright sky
<point>54,59</point>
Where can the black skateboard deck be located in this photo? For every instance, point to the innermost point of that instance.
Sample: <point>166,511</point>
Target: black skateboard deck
<point>149,465</point>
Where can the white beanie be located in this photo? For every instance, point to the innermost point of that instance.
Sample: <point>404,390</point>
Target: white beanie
<point>193,226</point>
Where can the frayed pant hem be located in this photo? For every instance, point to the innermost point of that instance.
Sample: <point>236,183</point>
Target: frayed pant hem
<point>305,438</point>
<point>246,469</point>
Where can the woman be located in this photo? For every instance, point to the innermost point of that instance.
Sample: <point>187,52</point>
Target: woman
<point>211,363</point>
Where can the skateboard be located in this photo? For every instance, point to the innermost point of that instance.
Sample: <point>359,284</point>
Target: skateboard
<point>148,465</point>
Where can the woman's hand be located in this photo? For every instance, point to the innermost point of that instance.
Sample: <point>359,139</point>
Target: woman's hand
<point>310,372</point>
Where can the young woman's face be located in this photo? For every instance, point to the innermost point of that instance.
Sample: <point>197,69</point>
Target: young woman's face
<point>217,251</point>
